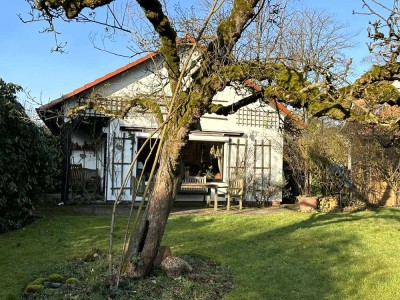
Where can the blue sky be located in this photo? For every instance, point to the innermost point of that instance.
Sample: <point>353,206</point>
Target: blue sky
<point>26,59</point>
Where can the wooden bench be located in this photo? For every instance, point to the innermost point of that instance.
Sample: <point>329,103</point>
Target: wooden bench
<point>195,185</point>
<point>192,185</point>
<point>83,180</point>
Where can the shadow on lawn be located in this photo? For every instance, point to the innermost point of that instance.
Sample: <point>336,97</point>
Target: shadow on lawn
<point>318,257</point>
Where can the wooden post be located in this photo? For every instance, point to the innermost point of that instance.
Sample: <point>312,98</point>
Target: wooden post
<point>106,154</point>
<point>112,164</point>
<point>270,160</point>
<point>66,145</point>
<point>133,145</point>
<point>254,167</point>
<point>229,159</point>
<point>122,160</point>
<point>246,148</point>
<point>262,167</point>
<point>237,158</point>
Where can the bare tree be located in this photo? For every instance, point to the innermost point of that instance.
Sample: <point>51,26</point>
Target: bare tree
<point>384,30</point>
<point>317,158</point>
<point>310,41</point>
<point>375,160</point>
<point>196,70</point>
<point>314,43</point>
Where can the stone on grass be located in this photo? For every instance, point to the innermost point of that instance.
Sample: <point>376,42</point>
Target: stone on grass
<point>175,266</point>
<point>92,255</point>
<point>52,285</point>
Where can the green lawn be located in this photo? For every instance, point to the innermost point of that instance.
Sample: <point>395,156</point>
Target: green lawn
<point>284,256</point>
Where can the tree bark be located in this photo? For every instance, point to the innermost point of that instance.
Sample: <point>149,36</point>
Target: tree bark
<point>146,240</point>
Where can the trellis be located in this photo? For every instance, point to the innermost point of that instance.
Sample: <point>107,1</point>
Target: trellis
<point>123,146</point>
<point>257,118</point>
<point>239,158</point>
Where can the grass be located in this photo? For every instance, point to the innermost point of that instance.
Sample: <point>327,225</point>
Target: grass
<point>30,251</point>
<point>283,256</point>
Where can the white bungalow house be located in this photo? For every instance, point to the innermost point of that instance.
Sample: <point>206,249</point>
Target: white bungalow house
<point>248,142</point>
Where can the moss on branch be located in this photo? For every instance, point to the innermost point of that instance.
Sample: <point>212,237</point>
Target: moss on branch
<point>71,7</point>
<point>379,92</point>
<point>230,29</point>
<point>162,25</point>
<point>276,74</point>
<point>334,110</point>
<point>277,80</point>
<point>379,73</point>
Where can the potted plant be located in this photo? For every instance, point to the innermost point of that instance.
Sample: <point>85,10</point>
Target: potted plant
<point>307,203</point>
<point>209,174</point>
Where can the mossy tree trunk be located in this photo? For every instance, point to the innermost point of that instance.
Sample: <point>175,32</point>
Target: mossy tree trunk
<point>146,241</point>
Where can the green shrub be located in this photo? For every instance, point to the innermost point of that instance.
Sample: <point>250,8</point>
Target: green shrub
<point>29,161</point>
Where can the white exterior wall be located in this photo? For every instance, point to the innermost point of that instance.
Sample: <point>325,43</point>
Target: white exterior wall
<point>139,81</point>
<point>144,79</point>
<point>224,124</point>
<point>211,122</point>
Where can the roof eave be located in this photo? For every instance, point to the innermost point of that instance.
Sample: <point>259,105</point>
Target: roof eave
<point>97,81</point>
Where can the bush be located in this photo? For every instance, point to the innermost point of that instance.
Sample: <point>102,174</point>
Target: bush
<point>328,205</point>
<point>29,161</point>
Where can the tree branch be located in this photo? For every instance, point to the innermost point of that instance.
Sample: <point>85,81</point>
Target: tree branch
<point>71,8</point>
<point>232,108</point>
<point>230,29</point>
<point>162,25</point>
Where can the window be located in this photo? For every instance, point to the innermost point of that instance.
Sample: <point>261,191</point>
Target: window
<point>200,158</point>
<point>203,158</point>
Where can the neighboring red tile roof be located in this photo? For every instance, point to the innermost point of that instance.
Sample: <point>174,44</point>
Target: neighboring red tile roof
<point>132,65</point>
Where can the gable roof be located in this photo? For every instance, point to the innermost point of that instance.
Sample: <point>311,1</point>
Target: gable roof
<point>99,80</point>
<point>130,66</point>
